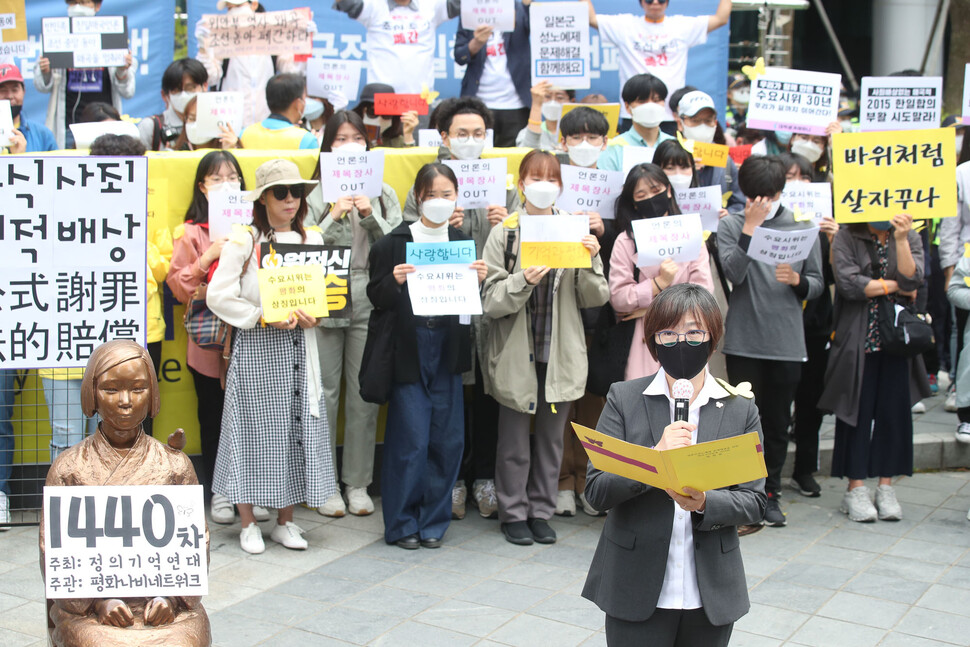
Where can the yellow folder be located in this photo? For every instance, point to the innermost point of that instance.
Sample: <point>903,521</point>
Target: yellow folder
<point>704,466</point>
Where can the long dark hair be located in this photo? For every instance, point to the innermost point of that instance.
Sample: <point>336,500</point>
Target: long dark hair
<point>261,218</point>
<point>626,210</point>
<point>333,124</point>
<point>671,152</point>
<point>427,174</point>
<point>198,211</point>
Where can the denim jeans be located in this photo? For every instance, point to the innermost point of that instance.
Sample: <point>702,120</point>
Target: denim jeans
<point>7,393</point>
<point>69,425</point>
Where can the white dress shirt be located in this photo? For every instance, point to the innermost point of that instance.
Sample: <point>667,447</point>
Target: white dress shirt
<point>679,589</point>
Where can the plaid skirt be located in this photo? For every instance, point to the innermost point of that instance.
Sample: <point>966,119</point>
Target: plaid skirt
<point>272,452</point>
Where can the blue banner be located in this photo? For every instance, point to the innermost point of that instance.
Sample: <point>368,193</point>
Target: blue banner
<point>341,37</point>
<point>151,37</point>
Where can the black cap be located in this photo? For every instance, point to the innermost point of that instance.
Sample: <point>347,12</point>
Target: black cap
<point>367,94</point>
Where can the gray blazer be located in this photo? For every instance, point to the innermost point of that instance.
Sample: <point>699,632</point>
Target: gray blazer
<point>627,571</point>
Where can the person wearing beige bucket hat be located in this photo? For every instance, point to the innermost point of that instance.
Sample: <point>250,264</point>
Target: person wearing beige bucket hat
<point>274,450</point>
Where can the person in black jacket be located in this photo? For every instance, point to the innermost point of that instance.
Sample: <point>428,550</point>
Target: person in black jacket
<point>424,436</point>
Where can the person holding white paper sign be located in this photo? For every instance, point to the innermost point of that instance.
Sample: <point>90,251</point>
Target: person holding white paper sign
<point>190,139</point>
<point>535,356</point>
<point>544,115</point>
<point>26,136</point>
<point>643,98</point>
<point>181,81</point>
<point>357,222</point>
<point>647,193</point>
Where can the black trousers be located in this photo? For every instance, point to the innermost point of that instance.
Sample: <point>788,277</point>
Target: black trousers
<point>508,123</point>
<point>481,433</point>
<point>808,419</point>
<point>155,352</point>
<point>211,397</point>
<point>774,384</point>
<point>668,628</point>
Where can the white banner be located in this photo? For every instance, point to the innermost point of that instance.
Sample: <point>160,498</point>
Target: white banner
<point>775,247</point>
<point>678,238</point>
<point>590,190</point>
<point>808,200</point>
<point>227,208</point>
<point>794,100</point>
<point>559,35</point>
<point>351,174</point>
<point>900,102</point>
<point>705,200</point>
<point>499,14</point>
<point>215,109</point>
<point>481,183</point>
<point>328,78</point>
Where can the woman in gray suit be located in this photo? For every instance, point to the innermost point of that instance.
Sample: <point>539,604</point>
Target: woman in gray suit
<point>667,570</point>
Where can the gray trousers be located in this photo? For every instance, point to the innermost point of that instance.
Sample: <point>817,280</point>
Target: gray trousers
<point>668,628</point>
<point>340,351</point>
<point>527,480</point>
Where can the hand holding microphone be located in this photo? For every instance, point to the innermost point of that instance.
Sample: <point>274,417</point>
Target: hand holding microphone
<point>679,432</point>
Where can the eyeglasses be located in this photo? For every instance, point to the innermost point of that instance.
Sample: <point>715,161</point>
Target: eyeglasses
<point>576,140</point>
<point>295,190</point>
<point>654,1</point>
<point>213,180</point>
<point>693,337</point>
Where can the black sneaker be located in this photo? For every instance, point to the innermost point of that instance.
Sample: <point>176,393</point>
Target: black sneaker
<point>517,532</point>
<point>805,485</point>
<point>542,532</point>
<point>773,515</point>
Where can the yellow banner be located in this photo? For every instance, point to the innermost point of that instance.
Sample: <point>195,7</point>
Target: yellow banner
<point>554,255</point>
<point>704,466</point>
<point>285,289</point>
<point>704,153</point>
<point>609,110</point>
<point>18,32</point>
<point>879,175</point>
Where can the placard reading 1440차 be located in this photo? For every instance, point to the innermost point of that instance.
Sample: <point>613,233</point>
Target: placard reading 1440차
<point>343,174</point>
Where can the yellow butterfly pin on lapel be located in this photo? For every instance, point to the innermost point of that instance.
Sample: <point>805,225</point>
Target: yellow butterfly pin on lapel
<point>754,71</point>
<point>428,94</point>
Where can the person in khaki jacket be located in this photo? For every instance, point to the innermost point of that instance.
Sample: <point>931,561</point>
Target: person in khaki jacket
<point>535,356</point>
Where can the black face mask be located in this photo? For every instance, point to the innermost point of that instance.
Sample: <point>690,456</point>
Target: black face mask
<point>15,110</point>
<point>655,207</point>
<point>683,361</point>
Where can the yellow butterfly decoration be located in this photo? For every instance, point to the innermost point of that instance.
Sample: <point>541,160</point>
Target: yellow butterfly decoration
<point>743,389</point>
<point>512,222</point>
<point>428,94</point>
<point>688,144</point>
<point>509,182</point>
<point>707,234</point>
<point>966,280</point>
<point>966,250</point>
<point>800,217</point>
<point>919,225</point>
<point>134,120</point>
<point>754,71</point>
<point>725,197</point>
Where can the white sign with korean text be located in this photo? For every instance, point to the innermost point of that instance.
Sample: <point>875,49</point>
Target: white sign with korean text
<point>443,282</point>
<point>794,100</point>
<point>6,123</point>
<point>808,200</point>
<point>73,257</point>
<point>775,247</point>
<point>481,183</point>
<point>559,35</point>
<point>351,174</point>
<point>678,238</point>
<point>900,102</point>
<point>498,14</point>
<point>966,95</point>
<point>216,109</point>
<point>227,208</point>
<point>633,155</point>
<point>86,133</point>
<point>328,78</point>
<point>590,190</point>
<point>127,541</point>
<point>704,200</point>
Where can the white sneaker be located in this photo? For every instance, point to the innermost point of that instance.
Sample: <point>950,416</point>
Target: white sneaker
<point>260,513</point>
<point>333,507</point>
<point>857,504</point>
<point>483,490</point>
<point>588,509</point>
<point>290,535</point>
<point>566,503</point>
<point>458,495</point>
<point>251,539</point>
<point>887,504</point>
<point>951,399</point>
<point>943,380</point>
<point>359,502</point>
<point>4,511</point>
<point>963,432</point>
<point>221,511</point>
<point>919,407</point>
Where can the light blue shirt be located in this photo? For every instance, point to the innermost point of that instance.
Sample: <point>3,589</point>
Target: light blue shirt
<point>612,158</point>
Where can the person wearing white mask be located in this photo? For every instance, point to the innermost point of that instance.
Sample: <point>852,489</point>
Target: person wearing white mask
<point>72,90</point>
<point>817,150</point>
<point>191,138</point>
<point>643,97</point>
<point>395,131</point>
<point>544,115</point>
<point>765,341</point>
<point>181,81</point>
<point>535,356</point>
<point>424,437</point>
<point>357,222</point>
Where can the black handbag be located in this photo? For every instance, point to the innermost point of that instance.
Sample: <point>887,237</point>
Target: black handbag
<point>904,333</point>
<point>608,351</point>
<point>377,363</point>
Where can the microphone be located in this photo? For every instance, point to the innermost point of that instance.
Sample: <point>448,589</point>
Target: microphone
<point>682,391</point>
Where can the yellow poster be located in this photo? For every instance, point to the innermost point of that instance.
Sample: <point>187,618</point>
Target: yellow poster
<point>13,21</point>
<point>704,466</point>
<point>555,255</point>
<point>879,175</point>
<point>285,289</point>
<point>704,153</point>
<point>609,110</point>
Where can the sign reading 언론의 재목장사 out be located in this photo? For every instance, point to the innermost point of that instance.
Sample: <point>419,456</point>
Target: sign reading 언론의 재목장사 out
<point>481,183</point>
<point>73,257</point>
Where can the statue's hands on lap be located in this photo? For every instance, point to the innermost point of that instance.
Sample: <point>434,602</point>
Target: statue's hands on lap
<point>159,611</point>
<point>115,612</point>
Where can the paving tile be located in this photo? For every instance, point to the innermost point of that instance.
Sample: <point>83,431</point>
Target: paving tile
<point>859,539</point>
<point>299,638</point>
<point>349,625</point>
<point>897,639</point>
<point>465,617</point>
<point>276,607</point>
<point>432,581</point>
<point>925,551</point>
<point>459,560</point>
<point>30,619</point>
<point>935,625</point>
<point>8,601</point>
<point>24,582</point>
<point>885,587</point>
<point>809,574</point>
<point>825,632</point>
<point>571,609</point>
<point>514,597</point>
<point>391,602</point>
<point>256,574</point>
<point>238,630</point>
<point>363,569</point>
<point>224,594</point>
<point>771,622</point>
<point>541,575</point>
<point>10,638</point>
<point>381,550</point>
<point>315,586</point>
<point>906,569</point>
<point>863,610</point>
<point>795,597</point>
<point>956,576</point>
<point>495,544</point>
<point>334,537</point>
<point>302,560</point>
<point>835,556</point>
<point>528,631</point>
<point>565,555</point>
<point>415,633</point>
<point>745,639</point>
<point>946,598</point>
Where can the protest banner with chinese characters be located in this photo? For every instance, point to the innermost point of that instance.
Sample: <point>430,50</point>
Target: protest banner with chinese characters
<point>328,78</point>
<point>704,200</point>
<point>13,29</point>
<point>554,241</point>
<point>609,110</point>
<point>73,257</point>
<point>335,259</point>
<point>560,44</point>
<point>389,105</point>
<point>227,208</point>
<point>880,175</point>
<point>808,200</point>
<point>213,110</point>
<point>86,42</point>
<point>443,283</point>
<point>497,14</point>
<point>351,174</point>
<point>272,33</point>
<point>678,238</point>
<point>283,290</point>
<point>590,191</point>
<point>112,541</point>
<point>774,247</point>
<point>794,100</point>
<point>481,183</point>
<point>900,102</point>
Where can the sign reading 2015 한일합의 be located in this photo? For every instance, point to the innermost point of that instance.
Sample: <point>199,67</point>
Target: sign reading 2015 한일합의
<point>72,257</point>
<point>880,175</point>
<point>127,541</point>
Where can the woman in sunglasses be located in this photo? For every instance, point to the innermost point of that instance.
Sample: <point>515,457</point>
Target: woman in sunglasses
<point>274,450</point>
<point>692,590</point>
